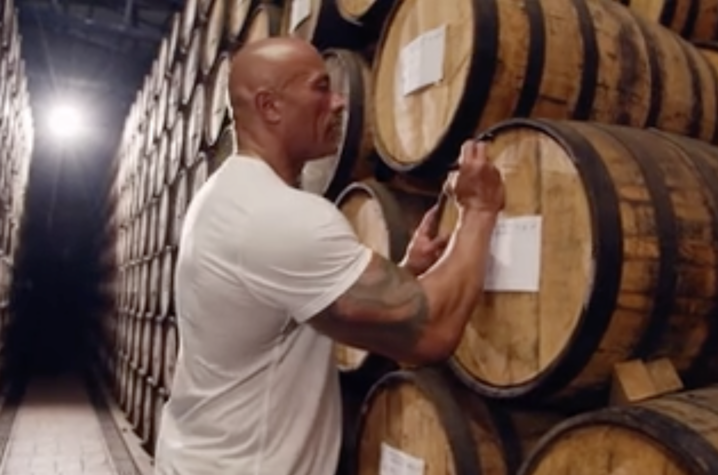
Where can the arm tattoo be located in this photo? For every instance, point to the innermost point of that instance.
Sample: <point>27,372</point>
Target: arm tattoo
<point>389,303</point>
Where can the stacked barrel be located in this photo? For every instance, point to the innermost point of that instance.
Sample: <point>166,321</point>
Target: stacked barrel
<point>16,139</point>
<point>602,118</point>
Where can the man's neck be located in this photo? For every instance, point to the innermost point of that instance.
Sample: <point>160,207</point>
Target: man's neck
<point>273,155</point>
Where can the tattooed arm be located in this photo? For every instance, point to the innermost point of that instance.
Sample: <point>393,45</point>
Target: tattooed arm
<point>415,320</point>
<point>421,320</point>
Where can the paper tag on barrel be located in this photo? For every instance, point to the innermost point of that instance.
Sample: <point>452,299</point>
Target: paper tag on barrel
<point>301,9</point>
<point>422,60</point>
<point>396,462</point>
<point>515,257</point>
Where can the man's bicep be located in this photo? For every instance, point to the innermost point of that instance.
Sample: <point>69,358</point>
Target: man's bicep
<point>385,311</point>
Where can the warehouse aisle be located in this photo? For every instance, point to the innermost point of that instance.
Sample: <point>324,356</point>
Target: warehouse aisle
<point>60,428</point>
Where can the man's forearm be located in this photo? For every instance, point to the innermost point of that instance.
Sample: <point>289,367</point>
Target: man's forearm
<point>455,284</point>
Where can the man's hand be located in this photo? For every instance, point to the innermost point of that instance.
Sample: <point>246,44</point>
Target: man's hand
<point>424,249</point>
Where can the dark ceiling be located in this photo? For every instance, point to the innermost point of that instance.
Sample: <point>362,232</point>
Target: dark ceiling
<point>97,51</point>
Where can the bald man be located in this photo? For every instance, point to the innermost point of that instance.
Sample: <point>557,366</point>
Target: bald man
<point>268,275</point>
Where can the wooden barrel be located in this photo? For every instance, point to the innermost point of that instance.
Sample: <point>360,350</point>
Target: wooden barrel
<point>237,14</point>
<point>225,147</point>
<point>158,348</point>
<point>148,414</point>
<point>6,22</point>
<point>187,33</point>
<point>370,14</point>
<point>170,356</point>
<point>218,108</point>
<point>195,126</point>
<point>9,26</point>
<point>146,344</point>
<point>142,233</point>
<point>174,94</point>
<point>154,283</point>
<point>422,420</point>
<point>350,77</point>
<point>163,220</point>
<point>126,399</point>
<point>212,36</point>
<point>152,217</point>
<point>136,352</point>
<point>691,19</point>
<point>264,22</point>
<point>671,435</point>
<point>163,63</point>
<point>173,39</point>
<point>511,59</point>
<point>199,175</point>
<point>204,9</point>
<point>137,396</point>
<point>190,71</point>
<point>319,22</point>
<point>176,152</point>
<point>605,252</point>
<point>166,282</point>
<point>383,219</point>
<point>179,206</point>
<point>161,117</point>
<point>709,50</point>
<point>161,157</point>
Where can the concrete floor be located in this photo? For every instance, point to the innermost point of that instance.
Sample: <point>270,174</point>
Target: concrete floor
<point>57,430</point>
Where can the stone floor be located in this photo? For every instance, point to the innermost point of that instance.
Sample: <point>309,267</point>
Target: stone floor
<point>56,431</point>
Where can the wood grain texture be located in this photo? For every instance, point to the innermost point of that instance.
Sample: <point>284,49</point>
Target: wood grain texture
<point>671,435</point>
<point>628,252</point>
<point>695,20</point>
<point>453,432</point>
<point>511,59</point>
<point>324,27</point>
<point>384,220</point>
<point>264,22</point>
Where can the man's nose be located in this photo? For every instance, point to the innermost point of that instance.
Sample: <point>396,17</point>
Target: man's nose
<point>338,102</point>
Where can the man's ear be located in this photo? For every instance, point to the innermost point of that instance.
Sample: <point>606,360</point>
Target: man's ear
<point>265,102</point>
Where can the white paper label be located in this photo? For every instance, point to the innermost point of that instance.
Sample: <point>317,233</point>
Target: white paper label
<point>301,9</point>
<point>422,60</point>
<point>515,260</point>
<point>396,462</point>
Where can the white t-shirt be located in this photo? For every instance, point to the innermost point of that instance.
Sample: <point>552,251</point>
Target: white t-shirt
<point>255,390</point>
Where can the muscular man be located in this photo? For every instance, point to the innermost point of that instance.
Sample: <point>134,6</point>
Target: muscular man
<point>269,275</point>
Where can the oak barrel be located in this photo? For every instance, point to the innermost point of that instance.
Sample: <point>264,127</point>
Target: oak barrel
<point>190,70</point>
<point>236,17</point>
<point>265,21</point>
<point>606,251</point>
<point>170,354</point>
<point>691,19</point>
<point>370,14</point>
<point>195,126</point>
<point>218,106</point>
<point>189,19</point>
<point>212,36</point>
<point>420,418</point>
<point>319,22</point>
<point>350,76</point>
<point>166,282</point>
<point>383,220</point>
<point>225,147</point>
<point>669,435</point>
<point>506,59</point>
